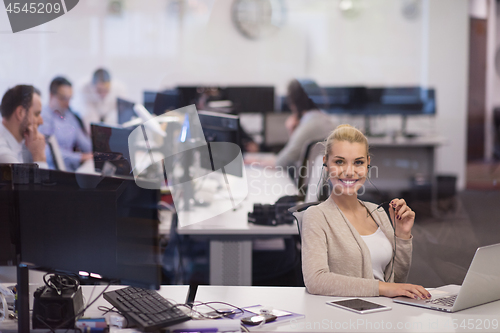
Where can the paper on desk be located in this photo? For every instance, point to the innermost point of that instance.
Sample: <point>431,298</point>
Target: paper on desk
<point>277,313</point>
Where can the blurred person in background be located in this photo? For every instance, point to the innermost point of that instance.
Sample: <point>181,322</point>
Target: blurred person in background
<point>60,121</point>
<point>20,141</point>
<point>306,124</point>
<point>96,100</point>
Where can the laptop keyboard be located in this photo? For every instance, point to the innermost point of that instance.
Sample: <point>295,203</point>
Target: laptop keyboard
<point>447,301</point>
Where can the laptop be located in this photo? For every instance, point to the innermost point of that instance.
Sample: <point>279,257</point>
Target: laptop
<point>481,285</point>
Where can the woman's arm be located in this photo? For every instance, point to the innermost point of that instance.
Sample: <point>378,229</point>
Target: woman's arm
<point>317,275</point>
<point>403,219</point>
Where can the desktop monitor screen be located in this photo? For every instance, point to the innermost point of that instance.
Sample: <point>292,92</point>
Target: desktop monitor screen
<point>160,102</point>
<point>111,144</point>
<point>256,99</point>
<point>125,111</point>
<point>251,99</point>
<point>86,223</point>
<point>377,101</point>
<point>219,127</point>
<point>190,94</point>
<point>8,248</point>
<point>407,100</point>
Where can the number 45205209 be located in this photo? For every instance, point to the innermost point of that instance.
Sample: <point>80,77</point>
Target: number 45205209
<point>34,8</point>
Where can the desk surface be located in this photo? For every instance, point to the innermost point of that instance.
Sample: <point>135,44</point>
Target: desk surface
<point>265,186</point>
<point>322,317</point>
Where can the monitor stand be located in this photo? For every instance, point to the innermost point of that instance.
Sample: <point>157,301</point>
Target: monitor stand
<point>23,300</point>
<point>368,131</point>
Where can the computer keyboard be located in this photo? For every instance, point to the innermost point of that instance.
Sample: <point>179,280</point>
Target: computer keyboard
<point>146,308</point>
<point>448,301</point>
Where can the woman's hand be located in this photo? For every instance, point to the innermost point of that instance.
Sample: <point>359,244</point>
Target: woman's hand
<point>402,289</point>
<point>403,217</point>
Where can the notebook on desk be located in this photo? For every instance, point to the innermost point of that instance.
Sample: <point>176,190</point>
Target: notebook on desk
<point>481,285</point>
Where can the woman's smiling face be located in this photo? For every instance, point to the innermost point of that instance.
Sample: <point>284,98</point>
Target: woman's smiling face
<point>347,166</point>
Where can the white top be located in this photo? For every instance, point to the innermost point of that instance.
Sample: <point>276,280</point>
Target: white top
<point>93,109</point>
<point>12,151</point>
<point>380,252</point>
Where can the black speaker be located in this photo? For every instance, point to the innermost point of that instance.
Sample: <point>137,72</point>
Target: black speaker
<point>54,310</point>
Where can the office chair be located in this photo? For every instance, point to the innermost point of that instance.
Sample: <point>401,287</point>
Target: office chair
<point>310,184</point>
<point>298,213</point>
<point>55,152</point>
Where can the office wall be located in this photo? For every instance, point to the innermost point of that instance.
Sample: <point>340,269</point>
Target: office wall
<point>162,43</point>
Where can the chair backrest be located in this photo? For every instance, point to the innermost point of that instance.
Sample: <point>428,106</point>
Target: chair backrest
<point>311,172</point>
<point>298,212</point>
<point>56,153</point>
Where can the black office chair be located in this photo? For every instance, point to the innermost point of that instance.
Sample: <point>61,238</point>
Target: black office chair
<point>298,212</point>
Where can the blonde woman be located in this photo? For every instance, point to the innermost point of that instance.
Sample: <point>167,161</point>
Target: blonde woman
<point>349,247</point>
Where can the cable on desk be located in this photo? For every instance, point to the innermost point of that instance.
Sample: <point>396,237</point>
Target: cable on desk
<point>107,310</point>
<point>60,282</point>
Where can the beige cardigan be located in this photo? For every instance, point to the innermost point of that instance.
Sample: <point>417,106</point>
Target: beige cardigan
<point>336,260</point>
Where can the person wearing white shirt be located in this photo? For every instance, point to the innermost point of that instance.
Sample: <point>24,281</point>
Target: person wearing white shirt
<point>97,99</point>
<point>20,141</point>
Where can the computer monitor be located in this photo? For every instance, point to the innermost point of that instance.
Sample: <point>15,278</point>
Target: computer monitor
<point>90,225</point>
<point>110,144</point>
<point>377,101</point>
<point>407,100</point>
<point>251,98</point>
<point>244,99</point>
<point>8,244</point>
<point>191,94</point>
<point>160,102</point>
<point>125,111</point>
<point>275,133</point>
<point>219,127</point>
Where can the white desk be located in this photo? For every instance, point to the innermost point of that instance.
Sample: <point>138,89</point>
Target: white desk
<point>320,317</point>
<point>325,318</point>
<point>231,235</point>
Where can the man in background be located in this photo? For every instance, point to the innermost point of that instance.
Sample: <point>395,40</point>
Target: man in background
<point>97,99</point>
<point>20,141</point>
<point>60,121</point>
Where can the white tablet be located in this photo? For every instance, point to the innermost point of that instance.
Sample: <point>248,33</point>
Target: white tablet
<point>359,305</point>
